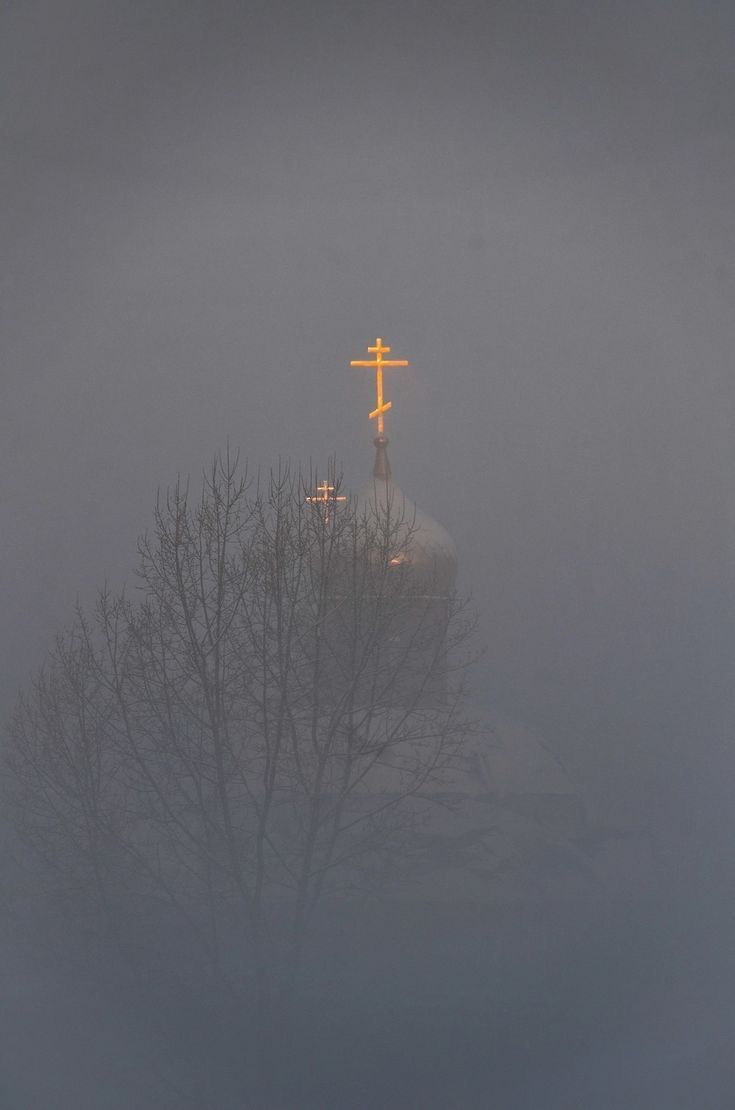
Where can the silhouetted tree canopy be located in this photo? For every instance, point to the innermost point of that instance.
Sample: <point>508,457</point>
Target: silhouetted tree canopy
<point>259,724</point>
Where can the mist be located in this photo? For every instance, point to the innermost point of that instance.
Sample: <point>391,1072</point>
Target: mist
<point>210,209</point>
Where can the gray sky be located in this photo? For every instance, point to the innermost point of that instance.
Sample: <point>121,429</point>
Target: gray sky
<point>209,208</point>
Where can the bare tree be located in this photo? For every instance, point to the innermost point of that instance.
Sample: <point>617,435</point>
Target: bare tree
<point>257,727</point>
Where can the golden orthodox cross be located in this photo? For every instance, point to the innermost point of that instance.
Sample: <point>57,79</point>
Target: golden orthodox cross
<point>325,495</point>
<point>378,363</point>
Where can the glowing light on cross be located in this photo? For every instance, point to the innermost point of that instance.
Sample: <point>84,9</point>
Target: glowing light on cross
<point>325,496</point>
<point>378,364</point>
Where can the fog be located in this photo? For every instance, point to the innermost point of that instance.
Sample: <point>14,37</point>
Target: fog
<point>209,210</point>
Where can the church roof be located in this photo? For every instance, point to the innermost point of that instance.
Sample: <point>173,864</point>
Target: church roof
<point>424,544</point>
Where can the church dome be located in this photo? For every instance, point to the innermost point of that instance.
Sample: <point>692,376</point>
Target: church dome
<point>422,542</point>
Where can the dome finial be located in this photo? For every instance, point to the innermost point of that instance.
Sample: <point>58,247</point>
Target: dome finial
<point>381,467</point>
<point>378,364</point>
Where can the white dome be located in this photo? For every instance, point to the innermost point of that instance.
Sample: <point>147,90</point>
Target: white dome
<point>429,544</point>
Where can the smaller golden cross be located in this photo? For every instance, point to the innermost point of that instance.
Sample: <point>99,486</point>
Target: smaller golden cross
<point>325,495</point>
<point>379,363</point>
